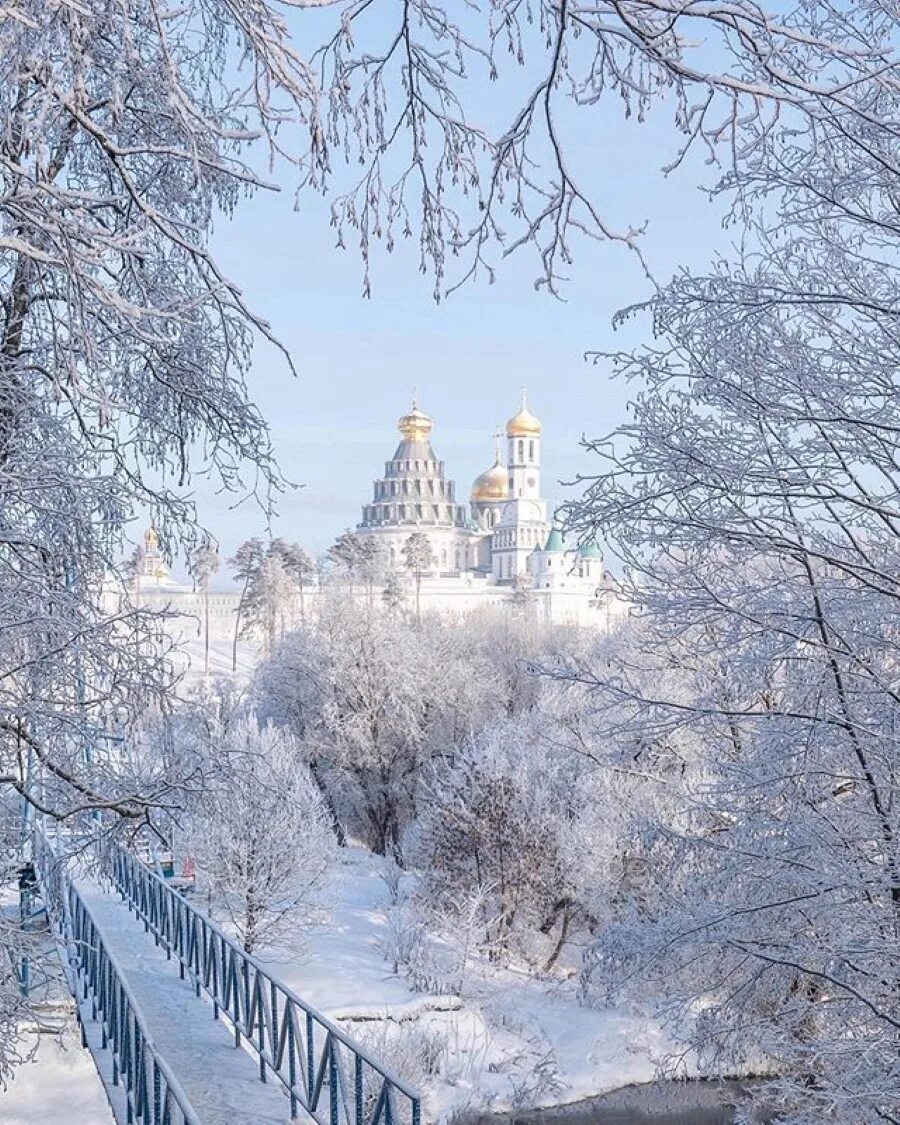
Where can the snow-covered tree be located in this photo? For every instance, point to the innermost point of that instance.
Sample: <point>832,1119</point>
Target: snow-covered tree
<point>357,691</point>
<point>269,599</point>
<point>261,838</point>
<point>245,567</point>
<point>299,565</point>
<point>742,81</point>
<point>272,579</point>
<point>393,593</point>
<point>123,348</point>
<point>346,554</point>
<point>419,559</point>
<point>371,567</point>
<point>762,454</point>
<point>374,699</point>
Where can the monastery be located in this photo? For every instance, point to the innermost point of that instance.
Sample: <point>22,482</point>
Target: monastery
<point>499,548</point>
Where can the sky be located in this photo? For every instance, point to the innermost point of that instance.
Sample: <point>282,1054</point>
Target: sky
<point>358,359</point>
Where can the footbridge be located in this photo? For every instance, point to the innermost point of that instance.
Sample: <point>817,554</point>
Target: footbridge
<point>184,1026</point>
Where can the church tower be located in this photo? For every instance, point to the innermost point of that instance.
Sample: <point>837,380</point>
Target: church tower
<point>415,495</point>
<point>523,525</point>
<point>523,435</point>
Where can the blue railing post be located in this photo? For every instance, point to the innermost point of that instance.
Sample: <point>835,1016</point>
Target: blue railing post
<point>292,1060</point>
<point>332,1083</point>
<point>310,1059</point>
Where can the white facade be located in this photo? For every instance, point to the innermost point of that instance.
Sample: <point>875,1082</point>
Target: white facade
<point>497,548</point>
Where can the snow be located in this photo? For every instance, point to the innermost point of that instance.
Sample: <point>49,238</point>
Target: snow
<point>511,1039</point>
<point>495,1038</point>
<point>344,967</point>
<point>59,1084</point>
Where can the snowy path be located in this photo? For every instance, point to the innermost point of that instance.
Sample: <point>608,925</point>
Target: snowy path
<point>221,1082</point>
<point>58,1084</point>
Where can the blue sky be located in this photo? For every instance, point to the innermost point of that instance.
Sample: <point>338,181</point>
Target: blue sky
<point>358,359</point>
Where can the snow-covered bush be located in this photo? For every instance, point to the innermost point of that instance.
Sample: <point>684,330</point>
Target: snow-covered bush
<point>490,844</point>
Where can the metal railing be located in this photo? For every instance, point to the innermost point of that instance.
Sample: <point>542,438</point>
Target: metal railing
<point>151,1092</point>
<point>325,1073</point>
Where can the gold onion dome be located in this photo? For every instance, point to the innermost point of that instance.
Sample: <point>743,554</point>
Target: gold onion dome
<point>523,424</point>
<point>491,485</point>
<point>415,426</point>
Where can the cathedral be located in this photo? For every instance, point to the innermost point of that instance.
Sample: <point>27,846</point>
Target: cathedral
<point>501,538</point>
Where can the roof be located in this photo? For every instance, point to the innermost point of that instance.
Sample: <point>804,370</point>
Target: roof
<point>555,541</point>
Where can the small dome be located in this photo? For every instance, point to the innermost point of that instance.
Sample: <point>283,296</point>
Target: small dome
<point>523,424</point>
<point>591,550</point>
<point>415,426</point>
<point>492,484</point>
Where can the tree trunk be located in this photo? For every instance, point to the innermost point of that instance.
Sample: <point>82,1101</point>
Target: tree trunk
<point>337,827</point>
<point>206,629</point>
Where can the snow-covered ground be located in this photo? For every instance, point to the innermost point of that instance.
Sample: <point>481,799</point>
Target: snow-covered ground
<point>58,1085</point>
<point>509,1040</point>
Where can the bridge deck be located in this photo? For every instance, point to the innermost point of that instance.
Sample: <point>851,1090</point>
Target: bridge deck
<point>221,1081</point>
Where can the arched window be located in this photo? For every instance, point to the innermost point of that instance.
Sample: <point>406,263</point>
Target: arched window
<point>521,450</point>
<point>531,451</point>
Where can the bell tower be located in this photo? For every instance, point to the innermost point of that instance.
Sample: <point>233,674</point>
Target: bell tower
<point>523,435</point>
<point>523,526</point>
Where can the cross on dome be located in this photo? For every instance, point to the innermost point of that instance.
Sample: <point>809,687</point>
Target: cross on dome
<point>416,425</point>
<point>524,423</point>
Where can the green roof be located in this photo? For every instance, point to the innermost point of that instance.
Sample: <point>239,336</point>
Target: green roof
<point>555,541</point>
<point>590,550</point>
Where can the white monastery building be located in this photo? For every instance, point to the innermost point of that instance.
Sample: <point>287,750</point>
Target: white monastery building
<point>500,547</point>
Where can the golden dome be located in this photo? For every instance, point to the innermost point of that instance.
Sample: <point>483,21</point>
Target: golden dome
<point>415,426</point>
<point>492,484</point>
<point>523,424</point>
<point>151,539</point>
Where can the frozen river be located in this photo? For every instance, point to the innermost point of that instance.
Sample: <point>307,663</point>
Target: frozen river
<point>656,1103</point>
